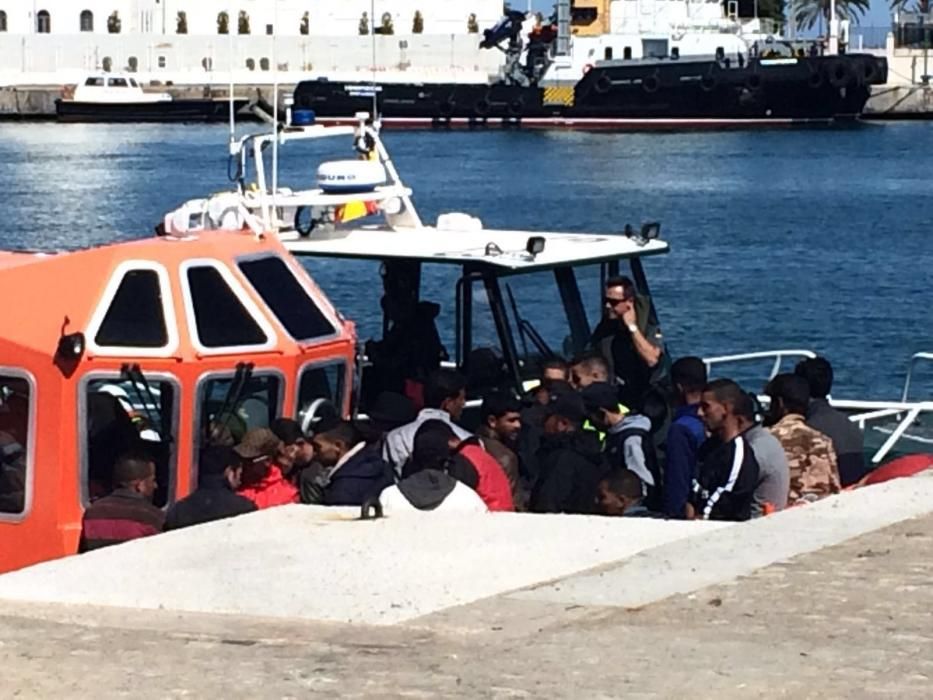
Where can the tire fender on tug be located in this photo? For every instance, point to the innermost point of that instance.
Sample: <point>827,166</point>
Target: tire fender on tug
<point>839,74</point>
<point>349,176</point>
<point>651,83</point>
<point>481,108</point>
<point>603,84</point>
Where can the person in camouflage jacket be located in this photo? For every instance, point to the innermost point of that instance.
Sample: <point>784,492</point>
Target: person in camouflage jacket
<point>814,471</point>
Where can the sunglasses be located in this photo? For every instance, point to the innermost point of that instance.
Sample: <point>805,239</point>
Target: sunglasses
<point>613,301</point>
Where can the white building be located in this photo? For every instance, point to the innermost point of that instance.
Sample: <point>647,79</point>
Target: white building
<point>208,41</point>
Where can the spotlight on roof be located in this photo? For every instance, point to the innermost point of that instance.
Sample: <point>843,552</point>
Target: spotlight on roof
<point>70,347</point>
<point>535,245</point>
<point>651,230</point>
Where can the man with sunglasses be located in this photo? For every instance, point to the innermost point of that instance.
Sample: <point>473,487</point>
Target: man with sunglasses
<point>632,346</point>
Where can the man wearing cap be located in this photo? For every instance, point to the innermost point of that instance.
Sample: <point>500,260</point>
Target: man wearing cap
<point>219,473</point>
<point>628,442</point>
<point>569,458</point>
<point>686,435</point>
<point>264,483</point>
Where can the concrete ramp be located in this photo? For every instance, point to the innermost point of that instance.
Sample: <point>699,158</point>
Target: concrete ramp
<point>303,562</point>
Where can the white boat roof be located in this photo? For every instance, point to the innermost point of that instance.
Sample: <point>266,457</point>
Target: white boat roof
<point>470,246</point>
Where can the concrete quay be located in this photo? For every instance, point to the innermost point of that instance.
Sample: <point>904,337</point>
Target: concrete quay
<point>851,615</point>
<point>900,102</point>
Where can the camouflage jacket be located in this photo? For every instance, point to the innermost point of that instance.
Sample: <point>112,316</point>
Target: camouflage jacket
<point>814,471</point>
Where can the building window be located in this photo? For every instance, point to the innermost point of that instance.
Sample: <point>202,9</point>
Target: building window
<point>269,30</point>
<point>2,21</point>
<point>15,435</point>
<point>264,63</point>
<point>87,21</point>
<point>161,61</point>
<point>250,64</point>
<point>207,63</point>
<point>43,22</point>
<point>128,412</point>
<point>107,63</point>
<point>132,64</point>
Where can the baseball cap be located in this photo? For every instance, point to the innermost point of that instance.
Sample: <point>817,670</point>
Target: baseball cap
<point>600,395</point>
<point>258,442</point>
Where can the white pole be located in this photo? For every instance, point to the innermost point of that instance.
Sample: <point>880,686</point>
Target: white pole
<point>275,115</point>
<point>232,60</point>
<point>833,36</point>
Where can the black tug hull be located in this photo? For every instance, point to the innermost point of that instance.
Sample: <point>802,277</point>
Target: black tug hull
<point>637,95</point>
<point>203,110</point>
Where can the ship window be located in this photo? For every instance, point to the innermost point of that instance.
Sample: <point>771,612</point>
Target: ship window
<point>225,414</point>
<point>220,317</point>
<point>133,80</point>
<point>2,21</point>
<point>322,381</point>
<point>291,304</point>
<point>107,63</point>
<point>118,82</point>
<point>128,414</point>
<point>607,53</point>
<point>94,82</point>
<point>87,21</point>
<point>43,22</point>
<point>627,53</point>
<point>15,435</point>
<point>269,30</point>
<point>135,317</point>
<point>250,64</point>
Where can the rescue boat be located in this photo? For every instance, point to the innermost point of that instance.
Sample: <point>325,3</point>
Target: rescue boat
<point>155,344</point>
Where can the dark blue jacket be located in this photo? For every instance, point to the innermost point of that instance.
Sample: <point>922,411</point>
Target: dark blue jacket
<point>684,438</point>
<point>365,474</point>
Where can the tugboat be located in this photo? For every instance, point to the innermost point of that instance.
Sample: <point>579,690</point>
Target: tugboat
<point>554,80</point>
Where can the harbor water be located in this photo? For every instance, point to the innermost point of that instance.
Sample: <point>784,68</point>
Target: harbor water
<point>799,238</point>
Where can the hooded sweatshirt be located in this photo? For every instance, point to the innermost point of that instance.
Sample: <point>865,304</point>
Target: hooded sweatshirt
<point>625,448</point>
<point>431,489</point>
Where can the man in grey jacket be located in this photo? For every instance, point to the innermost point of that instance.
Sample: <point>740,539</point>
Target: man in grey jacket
<point>444,399</point>
<point>773,470</point>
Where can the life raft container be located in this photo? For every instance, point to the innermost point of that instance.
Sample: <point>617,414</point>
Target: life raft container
<point>342,176</point>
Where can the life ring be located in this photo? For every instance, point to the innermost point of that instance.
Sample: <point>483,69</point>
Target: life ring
<point>603,84</point>
<point>753,82</point>
<point>516,107</point>
<point>481,108</point>
<point>708,82</point>
<point>304,231</point>
<point>587,68</point>
<point>651,83</point>
<point>839,74</point>
<point>446,108</point>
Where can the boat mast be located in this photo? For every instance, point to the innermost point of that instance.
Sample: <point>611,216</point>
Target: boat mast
<point>275,117</point>
<point>372,41</point>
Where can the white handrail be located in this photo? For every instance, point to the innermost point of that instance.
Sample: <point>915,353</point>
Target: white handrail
<point>914,359</point>
<point>778,356</point>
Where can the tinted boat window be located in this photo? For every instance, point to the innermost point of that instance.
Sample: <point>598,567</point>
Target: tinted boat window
<point>135,317</point>
<point>94,82</point>
<point>222,321</point>
<point>118,82</point>
<point>321,382</point>
<point>14,438</point>
<point>275,282</point>
<point>227,417</point>
<point>122,416</point>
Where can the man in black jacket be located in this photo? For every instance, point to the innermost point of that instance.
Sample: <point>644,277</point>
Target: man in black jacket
<point>570,460</point>
<point>727,474</point>
<point>219,471</point>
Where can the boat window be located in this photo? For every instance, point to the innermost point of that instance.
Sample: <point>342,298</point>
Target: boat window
<point>220,317</point>
<point>296,310</point>
<point>136,316</point>
<point>15,428</point>
<point>124,413</point>
<point>94,82</point>
<point>321,381</point>
<point>228,407</point>
<point>481,357</point>
<point>133,82</point>
<point>118,82</point>
<point>161,61</point>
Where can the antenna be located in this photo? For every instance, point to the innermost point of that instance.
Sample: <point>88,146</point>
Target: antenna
<point>372,41</point>
<point>275,115</point>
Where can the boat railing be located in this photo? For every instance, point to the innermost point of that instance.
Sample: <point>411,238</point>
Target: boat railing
<point>915,359</point>
<point>778,357</point>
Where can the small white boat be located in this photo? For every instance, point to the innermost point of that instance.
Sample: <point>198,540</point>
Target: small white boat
<point>118,97</point>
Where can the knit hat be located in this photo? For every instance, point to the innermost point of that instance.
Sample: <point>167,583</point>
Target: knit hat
<point>258,442</point>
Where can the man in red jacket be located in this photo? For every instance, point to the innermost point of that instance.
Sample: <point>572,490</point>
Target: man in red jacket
<point>263,481</point>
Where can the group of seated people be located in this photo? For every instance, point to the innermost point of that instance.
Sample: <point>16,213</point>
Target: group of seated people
<point>607,433</point>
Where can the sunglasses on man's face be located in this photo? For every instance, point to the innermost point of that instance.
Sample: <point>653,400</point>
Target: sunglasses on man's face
<point>614,301</point>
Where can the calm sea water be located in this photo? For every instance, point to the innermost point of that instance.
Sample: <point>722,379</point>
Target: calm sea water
<point>812,238</point>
